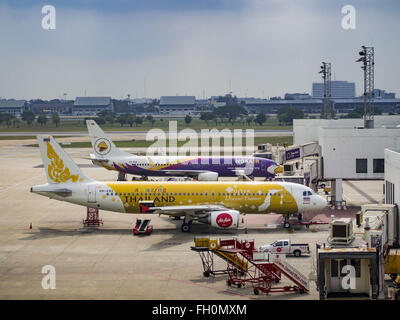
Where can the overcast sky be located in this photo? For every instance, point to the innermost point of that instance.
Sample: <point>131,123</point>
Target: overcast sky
<point>262,48</point>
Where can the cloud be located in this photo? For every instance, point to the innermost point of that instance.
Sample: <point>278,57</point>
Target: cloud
<point>272,47</point>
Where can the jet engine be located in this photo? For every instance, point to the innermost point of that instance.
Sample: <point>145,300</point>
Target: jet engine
<point>224,219</point>
<point>207,176</point>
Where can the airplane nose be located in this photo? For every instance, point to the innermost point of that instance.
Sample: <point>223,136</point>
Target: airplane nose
<point>274,168</point>
<point>322,203</point>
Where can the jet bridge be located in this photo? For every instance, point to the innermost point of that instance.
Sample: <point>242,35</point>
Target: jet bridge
<point>301,151</point>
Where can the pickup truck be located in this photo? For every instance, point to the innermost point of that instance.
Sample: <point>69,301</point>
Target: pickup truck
<point>284,246</point>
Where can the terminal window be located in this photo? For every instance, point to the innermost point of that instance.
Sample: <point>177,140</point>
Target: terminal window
<point>361,165</point>
<point>379,165</point>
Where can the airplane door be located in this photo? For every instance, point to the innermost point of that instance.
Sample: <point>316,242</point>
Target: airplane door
<point>287,195</point>
<point>92,194</point>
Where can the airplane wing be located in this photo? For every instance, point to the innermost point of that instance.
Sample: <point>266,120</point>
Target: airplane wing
<point>195,210</point>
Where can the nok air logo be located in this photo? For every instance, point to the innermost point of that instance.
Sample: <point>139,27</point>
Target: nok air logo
<point>102,146</point>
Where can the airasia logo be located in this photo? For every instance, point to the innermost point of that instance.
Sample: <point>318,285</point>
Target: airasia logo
<point>224,220</point>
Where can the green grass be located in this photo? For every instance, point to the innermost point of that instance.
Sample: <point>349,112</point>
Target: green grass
<point>145,144</point>
<point>25,137</point>
<point>196,124</point>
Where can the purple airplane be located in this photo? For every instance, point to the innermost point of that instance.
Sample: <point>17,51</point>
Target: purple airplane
<point>110,157</point>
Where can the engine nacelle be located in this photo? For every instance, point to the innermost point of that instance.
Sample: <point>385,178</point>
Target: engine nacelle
<point>207,176</point>
<point>224,219</point>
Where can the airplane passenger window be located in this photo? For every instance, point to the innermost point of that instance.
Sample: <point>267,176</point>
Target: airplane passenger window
<point>201,193</point>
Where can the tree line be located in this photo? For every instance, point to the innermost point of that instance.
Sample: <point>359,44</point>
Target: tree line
<point>29,117</point>
<point>231,114</point>
<point>110,117</point>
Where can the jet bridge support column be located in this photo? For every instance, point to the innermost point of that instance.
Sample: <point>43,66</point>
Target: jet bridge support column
<point>337,194</point>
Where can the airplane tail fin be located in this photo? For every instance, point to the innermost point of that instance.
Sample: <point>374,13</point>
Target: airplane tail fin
<point>59,167</point>
<point>103,146</point>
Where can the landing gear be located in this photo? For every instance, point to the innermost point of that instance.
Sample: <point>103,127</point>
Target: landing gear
<point>186,225</point>
<point>121,176</point>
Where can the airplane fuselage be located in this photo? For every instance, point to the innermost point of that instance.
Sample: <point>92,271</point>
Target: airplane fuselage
<point>246,197</point>
<point>165,166</point>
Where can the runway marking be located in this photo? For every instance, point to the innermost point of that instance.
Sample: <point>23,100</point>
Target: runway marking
<point>365,195</point>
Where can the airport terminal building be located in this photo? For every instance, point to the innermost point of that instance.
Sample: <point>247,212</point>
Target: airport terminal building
<point>392,176</point>
<point>92,105</point>
<point>13,107</point>
<point>348,151</point>
<point>177,104</point>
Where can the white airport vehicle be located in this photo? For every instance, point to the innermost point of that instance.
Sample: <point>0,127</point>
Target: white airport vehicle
<point>285,246</point>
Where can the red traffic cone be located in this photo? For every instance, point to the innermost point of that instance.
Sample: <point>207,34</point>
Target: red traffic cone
<point>30,226</point>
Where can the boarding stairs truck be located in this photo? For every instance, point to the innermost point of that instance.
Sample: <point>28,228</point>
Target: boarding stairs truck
<point>286,247</point>
<point>247,265</point>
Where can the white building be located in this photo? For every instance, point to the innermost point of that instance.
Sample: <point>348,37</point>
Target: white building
<point>392,176</point>
<point>307,130</point>
<point>347,150</point>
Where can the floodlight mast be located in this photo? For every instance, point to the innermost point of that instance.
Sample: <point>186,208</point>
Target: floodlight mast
<point>367,58</point>
<point>326,75</point>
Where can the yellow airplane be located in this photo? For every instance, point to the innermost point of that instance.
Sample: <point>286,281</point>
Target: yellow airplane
<point>216,203</point>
